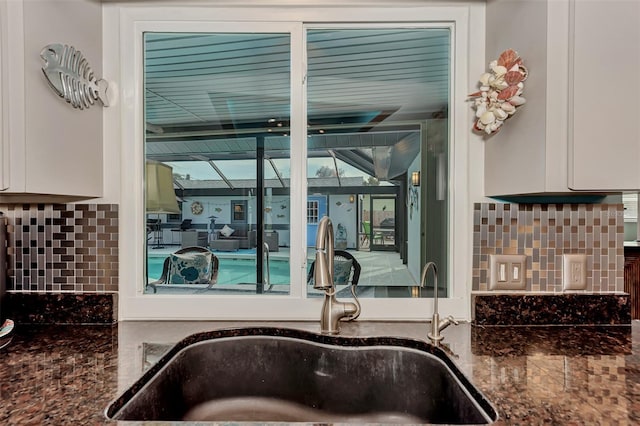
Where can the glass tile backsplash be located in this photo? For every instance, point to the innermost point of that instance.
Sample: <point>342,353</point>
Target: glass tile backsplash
<point>544,232</point>
<point>74,247</point>
<point>62,247</point>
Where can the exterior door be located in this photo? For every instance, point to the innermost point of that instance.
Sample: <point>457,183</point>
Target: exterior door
<point>383,223</point>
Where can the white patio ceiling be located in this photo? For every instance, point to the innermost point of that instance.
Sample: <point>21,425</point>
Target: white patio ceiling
<point>211,94</point>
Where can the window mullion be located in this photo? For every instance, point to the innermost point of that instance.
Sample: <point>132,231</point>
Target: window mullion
<point>298,149</point>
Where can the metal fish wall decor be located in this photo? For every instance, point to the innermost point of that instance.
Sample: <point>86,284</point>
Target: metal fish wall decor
<point>71,77</point>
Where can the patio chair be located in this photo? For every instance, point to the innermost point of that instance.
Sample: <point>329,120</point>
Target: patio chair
<point>377,235</point>
<point>346,269</point>
<point>189,267</point>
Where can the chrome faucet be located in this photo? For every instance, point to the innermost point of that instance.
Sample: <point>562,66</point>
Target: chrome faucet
<point>437,325</point>
<point>332,309</point>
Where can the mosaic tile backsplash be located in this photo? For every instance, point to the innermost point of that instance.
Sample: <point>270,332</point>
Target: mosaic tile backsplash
<point>74,247</point>
<point>62,247</point>
<point>544,232</point>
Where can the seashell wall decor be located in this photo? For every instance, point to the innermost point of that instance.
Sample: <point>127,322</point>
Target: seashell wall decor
<point>71,77</point>
<point>500,93</point>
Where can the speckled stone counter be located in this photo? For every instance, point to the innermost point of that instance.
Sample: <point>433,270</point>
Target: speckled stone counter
<point>62,308</point>
<point>552,309</point>
<point>533,375</point>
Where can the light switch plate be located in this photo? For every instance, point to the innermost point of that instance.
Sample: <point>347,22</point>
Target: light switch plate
<point>574,271</point>
<point>507,272</point>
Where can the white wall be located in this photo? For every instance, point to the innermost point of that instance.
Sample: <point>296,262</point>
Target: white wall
<point>220,206</point>
<point>216,206</point>
<point>341,211</point>
<point>112,129</point>
<point>413,226</point>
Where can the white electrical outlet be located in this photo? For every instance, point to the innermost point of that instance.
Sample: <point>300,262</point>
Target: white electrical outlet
<point>516,275</point>
<point>502,272</point>
<point>507,272</point>
<point>574,271</point>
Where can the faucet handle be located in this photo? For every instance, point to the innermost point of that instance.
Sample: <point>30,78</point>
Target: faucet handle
<point>354,315</point>
<point>452,320</point>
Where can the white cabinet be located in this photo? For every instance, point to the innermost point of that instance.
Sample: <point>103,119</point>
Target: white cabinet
<point>49,150</point>
<point>580,128</point>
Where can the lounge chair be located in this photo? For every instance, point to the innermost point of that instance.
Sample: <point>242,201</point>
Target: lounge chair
<point>346,269</point>
<point>190,267</point>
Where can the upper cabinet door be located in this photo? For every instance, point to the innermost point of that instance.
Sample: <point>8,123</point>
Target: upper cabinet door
<point>578,131</point>
<point>604,139</point>
<point>50,151</point>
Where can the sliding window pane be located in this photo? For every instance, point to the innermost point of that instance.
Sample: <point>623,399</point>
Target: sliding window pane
<point>373,97</point>
<point>217,108</point>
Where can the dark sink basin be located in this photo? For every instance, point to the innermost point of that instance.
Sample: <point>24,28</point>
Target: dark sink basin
<point>285,375</point>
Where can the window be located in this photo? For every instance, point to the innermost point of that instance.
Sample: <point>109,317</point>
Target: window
<point>357,133</point>
<point>239,211</point>
<point>312,211</point>
<point>361,138</point>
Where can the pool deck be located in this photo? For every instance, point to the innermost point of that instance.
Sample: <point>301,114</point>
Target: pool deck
<point>379,269</point>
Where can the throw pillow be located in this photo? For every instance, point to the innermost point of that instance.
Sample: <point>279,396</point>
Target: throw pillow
<point>341,272</point>
<point>227,231</point>
<point>190,268</point>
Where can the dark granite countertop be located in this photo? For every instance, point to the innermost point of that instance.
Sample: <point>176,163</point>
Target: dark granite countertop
<point>533,375</point>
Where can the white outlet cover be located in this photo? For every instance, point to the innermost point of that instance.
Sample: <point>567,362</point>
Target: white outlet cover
<point>574,271</point>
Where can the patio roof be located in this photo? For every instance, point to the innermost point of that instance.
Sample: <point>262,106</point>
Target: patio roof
<point>210,96</point>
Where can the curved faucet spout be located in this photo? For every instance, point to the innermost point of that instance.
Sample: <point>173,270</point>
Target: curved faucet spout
<point>437,325</point>
<point>323,271</point>
<point>423,282</point>
<point>332,309</point>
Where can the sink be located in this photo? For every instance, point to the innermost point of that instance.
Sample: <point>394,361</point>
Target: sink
<point>287,375</point>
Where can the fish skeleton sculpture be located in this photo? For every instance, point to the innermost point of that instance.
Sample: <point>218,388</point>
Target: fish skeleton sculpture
<point>71,77</point>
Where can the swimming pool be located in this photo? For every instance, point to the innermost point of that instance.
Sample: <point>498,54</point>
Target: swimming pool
<point>231,271</point>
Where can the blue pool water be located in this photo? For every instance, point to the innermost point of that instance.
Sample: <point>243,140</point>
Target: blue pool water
<point>232,271</point>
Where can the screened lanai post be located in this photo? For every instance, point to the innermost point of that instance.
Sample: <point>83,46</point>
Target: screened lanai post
<point>401,227</point>
<point>434,201</point>
<point>260,213</point>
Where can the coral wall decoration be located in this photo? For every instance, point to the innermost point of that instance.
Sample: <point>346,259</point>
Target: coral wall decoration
<point>500,92</point>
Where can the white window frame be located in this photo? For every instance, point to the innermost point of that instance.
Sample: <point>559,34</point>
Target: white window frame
<point>124,26</point>
<point>312,212</point>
